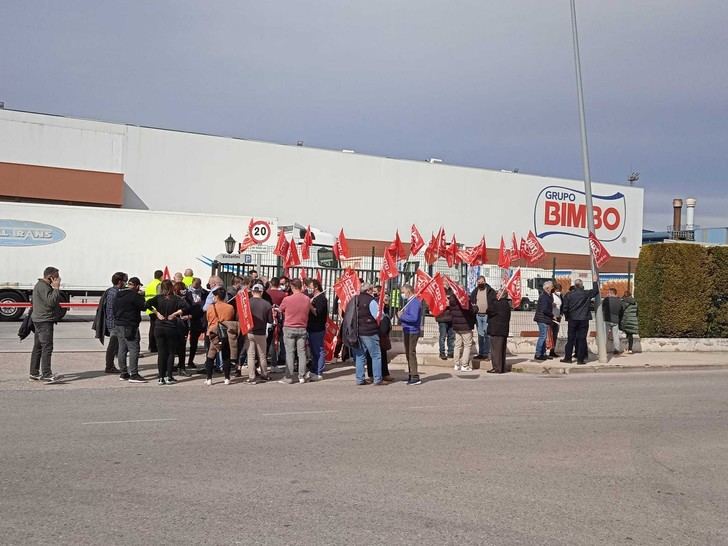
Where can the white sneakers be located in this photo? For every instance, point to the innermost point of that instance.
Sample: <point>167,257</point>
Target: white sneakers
<point>301,380</point>
<point>456,367</point>
<point>466,368</point>
<point>227,381</point>
<point>208,382</point>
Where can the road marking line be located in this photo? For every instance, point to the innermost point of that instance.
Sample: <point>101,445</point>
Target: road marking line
<point>299,413</point>
<point>437,407</point>
<point>129,421</point>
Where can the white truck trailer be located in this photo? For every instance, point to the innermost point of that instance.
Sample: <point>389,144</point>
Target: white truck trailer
<point>88,244</point>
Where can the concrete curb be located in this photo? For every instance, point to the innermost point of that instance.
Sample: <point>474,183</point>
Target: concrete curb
<point>567,369</point>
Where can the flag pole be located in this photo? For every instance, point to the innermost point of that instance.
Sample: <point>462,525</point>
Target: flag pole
<point>601,332</point>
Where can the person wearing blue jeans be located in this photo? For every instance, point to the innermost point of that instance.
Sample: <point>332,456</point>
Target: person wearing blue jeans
<point>544,317</point>
<point>446,334</point>
<point>368,336</point>
<point>317,327</point>
<point>479,301</point>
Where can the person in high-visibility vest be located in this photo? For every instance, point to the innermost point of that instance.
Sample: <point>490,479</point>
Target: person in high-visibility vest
<point>151,289</point>
<point>188,278</point>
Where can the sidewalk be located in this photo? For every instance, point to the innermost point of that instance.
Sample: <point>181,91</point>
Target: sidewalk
<point>662,361</point>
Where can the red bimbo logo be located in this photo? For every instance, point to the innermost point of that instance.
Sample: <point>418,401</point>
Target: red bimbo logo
<point>562,211</point>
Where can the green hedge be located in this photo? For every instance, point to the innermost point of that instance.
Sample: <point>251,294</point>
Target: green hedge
<point>682,290</point>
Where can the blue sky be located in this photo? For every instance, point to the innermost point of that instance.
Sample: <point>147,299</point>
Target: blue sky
<point>480,83</point>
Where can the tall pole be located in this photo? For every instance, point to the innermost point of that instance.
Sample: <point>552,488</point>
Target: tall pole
<point>601,332</point>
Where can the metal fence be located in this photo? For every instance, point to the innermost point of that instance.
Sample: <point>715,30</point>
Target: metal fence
<point>367,265</point>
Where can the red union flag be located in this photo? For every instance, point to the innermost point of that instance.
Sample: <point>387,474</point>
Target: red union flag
<point>477,255</point>
<point>397,248</point>
<point>303,274</point>
<point>416,241</point>
<point>341,247</point>
<point>292,258</point>
<point>504,256</point>
<point>522,249</point>
<point>165,275</point>
<point>534,249</point>
<point>389,267</point>
<point>515,249</point>
<point>434,295</point>
<point>245,314</point>
<point>347,287</point>
<point>421,280</point>
<point>599,251</point>
<point>247,239</point>
<point>513,287</point>
<point>332,332</point>
<point>460,293</point>
<point>451,253</point>
<point>441,243</point>
<point>380,302</point>
<point>431,251</point>
<point>306,245</point>
<point>281,248</point>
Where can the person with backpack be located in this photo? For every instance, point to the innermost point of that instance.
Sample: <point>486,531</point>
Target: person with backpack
<point>219,312</point>
<point>45,312</point>
<point>360,332</point>
<point>411,320</point>
<point>628,319</point>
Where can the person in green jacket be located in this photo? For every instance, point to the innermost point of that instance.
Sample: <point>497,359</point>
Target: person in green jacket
<point>628,322</point>
<point>45,313</point>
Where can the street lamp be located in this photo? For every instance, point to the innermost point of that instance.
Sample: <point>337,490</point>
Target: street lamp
<point>601,332</point>
<point>229,244</point>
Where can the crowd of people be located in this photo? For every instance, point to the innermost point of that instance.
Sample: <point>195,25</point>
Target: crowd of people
<point>575,307</point>
<point>289,323</point>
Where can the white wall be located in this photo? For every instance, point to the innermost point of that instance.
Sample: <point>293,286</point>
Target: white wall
<point>369,196</point>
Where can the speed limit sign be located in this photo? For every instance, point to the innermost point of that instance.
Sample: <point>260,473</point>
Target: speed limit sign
<point>260,231</point>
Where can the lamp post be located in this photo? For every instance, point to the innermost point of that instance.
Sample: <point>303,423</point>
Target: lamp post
<point>230,244</point>
<point>601,332</point>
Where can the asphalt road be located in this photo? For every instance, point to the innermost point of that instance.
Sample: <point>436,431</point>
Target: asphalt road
<point>637,458</point>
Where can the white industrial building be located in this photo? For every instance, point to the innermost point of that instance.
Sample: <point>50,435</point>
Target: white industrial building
<point>57,159</point>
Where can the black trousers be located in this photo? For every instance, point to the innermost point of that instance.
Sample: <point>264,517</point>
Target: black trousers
<point>498,345</point>
<point>577,332</point>
<point>112,350</point>
<point>195,332</point>
<point>167,339</point>
<point>152,334</point>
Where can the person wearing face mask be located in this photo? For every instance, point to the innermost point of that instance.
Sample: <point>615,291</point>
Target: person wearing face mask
<point>479,301</point>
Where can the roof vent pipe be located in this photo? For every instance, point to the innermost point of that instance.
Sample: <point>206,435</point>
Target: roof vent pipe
<point>676,214</point>
<point>690,203</point>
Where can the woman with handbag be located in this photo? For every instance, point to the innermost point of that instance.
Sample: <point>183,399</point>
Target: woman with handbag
<point>218,312</point>
<point>168,308</point>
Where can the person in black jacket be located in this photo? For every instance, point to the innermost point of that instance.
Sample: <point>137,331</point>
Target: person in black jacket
<point>612,309</point>
<point>168,308</point>
<point>128,306</point>
<point>576,310</point>
<point>499,320</point>
<point>544,317</point>
<point>317,328</point>
<point>195,298</point>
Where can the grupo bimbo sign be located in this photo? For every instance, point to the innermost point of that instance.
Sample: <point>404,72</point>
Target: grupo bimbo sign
<point>560,210</point>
